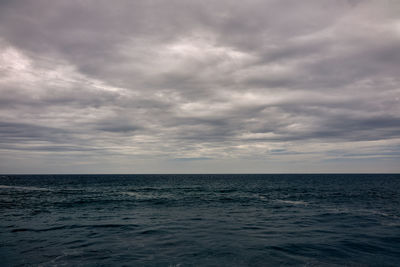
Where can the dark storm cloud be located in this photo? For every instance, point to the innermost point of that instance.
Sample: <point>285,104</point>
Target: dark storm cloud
<point>199,79</point>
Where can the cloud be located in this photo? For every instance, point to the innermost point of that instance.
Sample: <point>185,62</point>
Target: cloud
<point>157,80</point>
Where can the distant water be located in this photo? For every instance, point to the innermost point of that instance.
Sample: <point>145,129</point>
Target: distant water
<point>200,220</point>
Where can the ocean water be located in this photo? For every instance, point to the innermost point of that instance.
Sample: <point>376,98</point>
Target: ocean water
<point>200,220</point>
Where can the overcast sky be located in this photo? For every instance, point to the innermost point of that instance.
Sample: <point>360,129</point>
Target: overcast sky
<point>199,86</point>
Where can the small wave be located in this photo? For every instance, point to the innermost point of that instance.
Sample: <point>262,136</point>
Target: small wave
<point>26,188</point>
<point>38,230</point>
<point>292,202</point>
<point>151,232</point>
<point>75,226</point>
<point>391,224</point>
<point>356,211</point>
<point>381,213</point>
<point>19,230</point>
<point>261,197</point>
<point>137,195</point>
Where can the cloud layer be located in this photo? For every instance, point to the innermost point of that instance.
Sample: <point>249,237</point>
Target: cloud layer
<point>199,86</point>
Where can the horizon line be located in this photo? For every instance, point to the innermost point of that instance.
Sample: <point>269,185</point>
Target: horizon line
<point>280,173</point>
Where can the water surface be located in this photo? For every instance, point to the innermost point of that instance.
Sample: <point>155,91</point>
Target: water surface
<point>200,220</point>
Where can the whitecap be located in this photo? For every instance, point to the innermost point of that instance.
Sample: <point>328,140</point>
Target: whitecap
<point>262,198</point>
<point>292,202</point>
<point>26,188</point>
<point>138,195</point>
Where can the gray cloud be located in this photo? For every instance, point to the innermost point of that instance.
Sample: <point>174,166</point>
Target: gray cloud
<point>11,132</point>
<point>262,83</point>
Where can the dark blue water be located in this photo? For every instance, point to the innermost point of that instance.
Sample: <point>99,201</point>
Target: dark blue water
<point>200,220</point>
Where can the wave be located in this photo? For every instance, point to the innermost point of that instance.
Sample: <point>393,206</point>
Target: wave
<point>292,202</point>
<point>26,188</point>
<point>357,211</point>
<point>75,226</point>
<point>138,195</point>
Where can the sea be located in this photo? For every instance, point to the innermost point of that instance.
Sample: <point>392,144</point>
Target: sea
<point>200,220</point>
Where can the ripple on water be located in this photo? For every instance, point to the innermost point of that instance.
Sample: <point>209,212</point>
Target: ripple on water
<point>203,220</point>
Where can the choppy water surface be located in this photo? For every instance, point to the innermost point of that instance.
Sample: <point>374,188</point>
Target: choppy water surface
<point>200,220</point>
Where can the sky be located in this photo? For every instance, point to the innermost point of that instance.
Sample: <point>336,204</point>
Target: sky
<point>205,86</point>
